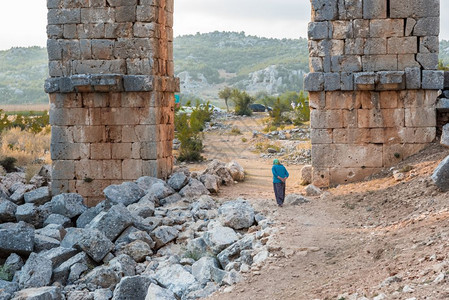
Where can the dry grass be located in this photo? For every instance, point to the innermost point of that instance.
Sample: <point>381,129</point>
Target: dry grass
<point>24,146</point>
<point>25,107</point>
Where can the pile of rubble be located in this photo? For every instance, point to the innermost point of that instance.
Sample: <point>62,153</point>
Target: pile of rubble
<point>302,134</point>
<point>149,239</point>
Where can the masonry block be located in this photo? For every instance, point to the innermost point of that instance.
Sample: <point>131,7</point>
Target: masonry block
<point>374,9</point>
<point>432,80</point>
<point>314,82</point>
<point>324,10</point>
<point>332,81</point>
<point>427,27</point>
<point>318,30</point>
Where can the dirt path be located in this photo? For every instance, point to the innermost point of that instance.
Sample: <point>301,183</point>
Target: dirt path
<point>372,238</point>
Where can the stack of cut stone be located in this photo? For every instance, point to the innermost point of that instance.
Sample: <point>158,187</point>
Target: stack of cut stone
<point>111,89</point>
<point>373,84</point>
<point>144,241</point>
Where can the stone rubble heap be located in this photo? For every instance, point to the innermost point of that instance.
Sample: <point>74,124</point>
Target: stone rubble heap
<point>150,239</point>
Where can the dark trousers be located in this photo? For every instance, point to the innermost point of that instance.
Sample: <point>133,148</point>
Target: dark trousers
<point>279,192</point>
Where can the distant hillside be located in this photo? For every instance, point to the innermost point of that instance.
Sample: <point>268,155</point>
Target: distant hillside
<point>204,62</point>
<point>22,75</point>
<point>210,60</point>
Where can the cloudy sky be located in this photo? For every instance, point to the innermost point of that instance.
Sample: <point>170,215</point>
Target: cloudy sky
<point>22,23</point>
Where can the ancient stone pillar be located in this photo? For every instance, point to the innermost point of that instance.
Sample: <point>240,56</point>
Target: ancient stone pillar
<point>111,90</point>
<point>373,84</point>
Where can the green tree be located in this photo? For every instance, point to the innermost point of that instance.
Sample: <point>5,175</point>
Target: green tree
<point>225,94</point>
<point>441,66</point>
<point>242,101</point>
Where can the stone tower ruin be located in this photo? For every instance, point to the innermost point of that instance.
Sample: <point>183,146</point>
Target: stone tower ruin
<point>373,84</point>
<point>111,90</point>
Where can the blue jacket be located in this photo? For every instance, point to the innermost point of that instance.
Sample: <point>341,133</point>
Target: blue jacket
<point>279,170</point>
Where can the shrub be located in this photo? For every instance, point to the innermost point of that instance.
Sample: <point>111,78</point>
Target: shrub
<point>188,131</point>
<point>9,164</point>
<point>242,101</point>
<point>244,140</point>
<point>235,131</point>
<point>5,273</point>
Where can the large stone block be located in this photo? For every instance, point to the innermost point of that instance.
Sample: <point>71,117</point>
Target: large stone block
<point>64,16</point>
<point>420,117</point>
<point>318,30</point>
<point>350,9</point>
<point>429,61</point>
<point>323,10</point>
<point>16,238</point>
<point>374,9</point>
<point>346,63</point>
<point>373,63</point>
<point>415,9</point>
<point>413,78</point>
<point>403,45</point>
<point>427,27</point>
<point>375,46</point>
<point>314,82</point>
<point>332,81</point>
<point>326,119</point>
<point>385,28</point>
<point>432,80</point>
<point>374,118</point>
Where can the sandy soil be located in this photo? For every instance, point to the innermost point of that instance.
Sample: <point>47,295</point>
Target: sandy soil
<point>349,240</point>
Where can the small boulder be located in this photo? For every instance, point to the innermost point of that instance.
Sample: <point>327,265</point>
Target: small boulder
<point>39,293</point>
<point>295,199</point>
<point>219,238</point>
<point>38,196</point>
<point>210,182</point>
<point>18,196</point>
<point>305,176</point>
<point>233,252</point>
<point>164,235</point>
<point>445,136</point>
<point>194,189</point>
<point>55,231</point>
<point>137,250</point>
<point>13,263</point>
<point>16,238</point>
<point>133,287</point>
<point>143,209</point>
<point>61,273</point>
<point>236,170</point>
<point>91,213</point>
<point>175,198</point>
<point>118,215</point>
<point>218,168</point>
<point>95,244</point>
<point>312,190</point>
<point>178,180</point>
<point>238,214</point>
<point>59,255</point>
<point>206,269</point>
<point>441,175</point>
<point>68,205</point>
<point>7,211</point>
<point>176,279</point>
<point>42,242</point>
<point>58,220</point>
<point>156,292</point>
<point>126,193</point>
<point>36,272</point>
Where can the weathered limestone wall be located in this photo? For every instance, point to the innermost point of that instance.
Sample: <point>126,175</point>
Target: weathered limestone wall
<point>373,84</point>
<point>111,91</point>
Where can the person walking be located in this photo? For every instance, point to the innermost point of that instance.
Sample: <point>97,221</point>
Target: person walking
<point>280,175</point>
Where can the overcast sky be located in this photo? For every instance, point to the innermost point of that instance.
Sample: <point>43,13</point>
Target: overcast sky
<point>23,22</point>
